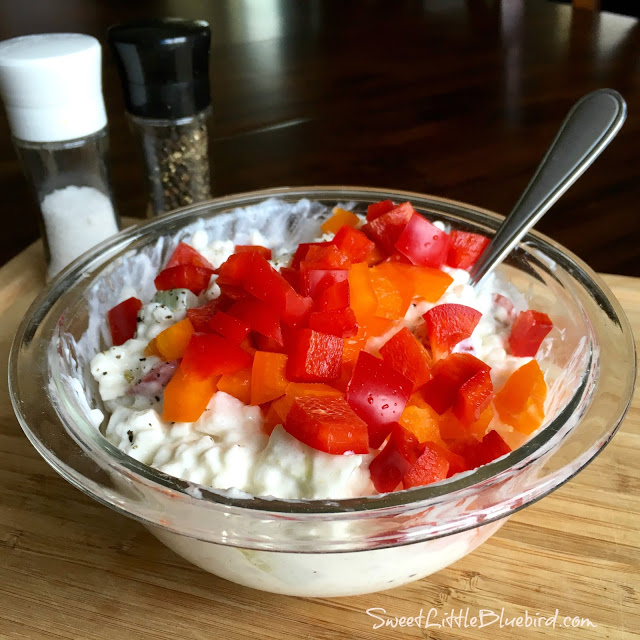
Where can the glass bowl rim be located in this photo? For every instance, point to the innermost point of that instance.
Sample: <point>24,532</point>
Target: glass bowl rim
<point>417,498</point>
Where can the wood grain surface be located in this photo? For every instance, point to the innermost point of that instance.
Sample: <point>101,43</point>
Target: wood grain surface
<point>458,99</point>
<point>72,569</point>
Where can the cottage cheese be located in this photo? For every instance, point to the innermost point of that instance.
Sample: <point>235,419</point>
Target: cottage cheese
<point>226,448</point>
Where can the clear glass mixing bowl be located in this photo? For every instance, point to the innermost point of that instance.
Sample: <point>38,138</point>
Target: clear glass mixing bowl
<point>320,547</point>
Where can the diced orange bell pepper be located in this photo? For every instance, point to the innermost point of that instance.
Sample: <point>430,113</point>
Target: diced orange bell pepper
<point>450,427</point>
<point>377,326</point>
<point>479,428</point>
<point>403,285</point>
<point>430,284</point>
<point>271,420</point>
<point>520,403</point>
<point>297,389</point>
<point>453,429</point>
<point>339,218</point>
<point>376,255</point>
<point>423,422</point>
<point>363,298</point>
<point>152,349</point>
<point>352,347</point>
<point>237,385</point>
<point>268,379</point>
<point>281,406</point>
<point>173,341</point>
<point>390,303</point>
<point>186,397</point>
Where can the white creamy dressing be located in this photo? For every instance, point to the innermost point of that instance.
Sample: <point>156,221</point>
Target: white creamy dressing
<point>226,448</point>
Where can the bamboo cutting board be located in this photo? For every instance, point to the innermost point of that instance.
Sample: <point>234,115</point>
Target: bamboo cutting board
<point>73,569</point>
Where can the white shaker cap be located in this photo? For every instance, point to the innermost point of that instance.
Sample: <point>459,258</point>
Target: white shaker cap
<point>51,85</point>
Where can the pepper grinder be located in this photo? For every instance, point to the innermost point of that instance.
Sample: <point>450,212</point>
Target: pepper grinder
<point>51,87</point>
<point>164,71</point>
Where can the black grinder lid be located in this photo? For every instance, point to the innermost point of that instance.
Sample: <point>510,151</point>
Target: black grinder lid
<point>163,65</point>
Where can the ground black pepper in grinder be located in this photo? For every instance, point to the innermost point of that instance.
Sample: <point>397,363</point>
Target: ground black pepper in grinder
<point>164,69</point>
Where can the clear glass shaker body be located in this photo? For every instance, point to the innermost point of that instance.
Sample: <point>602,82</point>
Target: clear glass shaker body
<point>176,159</point>
<point>70,180</point>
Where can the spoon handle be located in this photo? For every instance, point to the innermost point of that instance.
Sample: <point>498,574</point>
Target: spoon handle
<point>588,128</point>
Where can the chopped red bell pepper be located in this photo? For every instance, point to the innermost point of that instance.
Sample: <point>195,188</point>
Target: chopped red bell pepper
<point>405,354</point>
<point>315,281</point>
<point>353,243</point>
<point>334,297</point>
<point>313,356</point>
<point>476,453</point>
<point>256,248</point>
<point>378,209</point>
<point>325,257</point>
<point>473,397</point>
<point>251,272</point>
<point>448,324</point>
<point>327,423</point>
<point>341,322</point>
<point>386,229</point>
<point>230,327</point>
<point>200,316</point>
<point>448,375</point>
<point>397,457</point>
<point>259,316</point>
<point>423,243</point>
<point>527,333</point>
<point>292,276</point>
<point>378,394</point>
<point>185,254</point>
<point>262,343</point>
<point>234,270</point>
<point>208,354</point>
<point>302,250</point>
<point>430,467</point>
<point>457,464</point>
<point>184,276</point>
<point>465,248</point>
<point>266,284</point>
<point>387,469</point>
<point>494,446</point>
<point>123,320</point>
<point>234,293</point>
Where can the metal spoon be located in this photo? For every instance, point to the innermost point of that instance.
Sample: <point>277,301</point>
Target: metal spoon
<point>586,131</point>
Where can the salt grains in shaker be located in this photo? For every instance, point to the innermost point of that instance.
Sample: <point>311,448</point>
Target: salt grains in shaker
<point>51,88</point>
<point>164,69</point>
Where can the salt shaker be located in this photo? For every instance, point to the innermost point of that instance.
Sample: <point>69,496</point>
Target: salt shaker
<point>164,70</point>
<point>51,88</point>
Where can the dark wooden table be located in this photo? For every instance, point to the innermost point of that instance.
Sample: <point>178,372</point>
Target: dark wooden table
<point>453,98</point>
